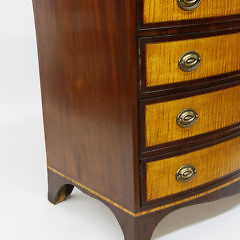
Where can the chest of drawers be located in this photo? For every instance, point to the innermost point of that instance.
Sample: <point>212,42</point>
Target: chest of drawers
<point>140,103</point>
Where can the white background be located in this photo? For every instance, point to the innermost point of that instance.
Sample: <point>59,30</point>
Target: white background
<point>25,212</point>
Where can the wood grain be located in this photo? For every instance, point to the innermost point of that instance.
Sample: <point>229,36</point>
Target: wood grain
<point>211,163</point>
<point>218,53</point>
<point>165,10</point>
<point>88,68</point>
<point>216,110</point>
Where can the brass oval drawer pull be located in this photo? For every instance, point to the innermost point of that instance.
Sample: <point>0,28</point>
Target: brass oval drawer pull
<point>188,5</point>
<point>186,173</point>
<point>187,118</point>
<point>189,61</point>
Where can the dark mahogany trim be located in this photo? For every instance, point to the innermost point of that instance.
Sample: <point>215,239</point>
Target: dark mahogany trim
<point>183,28</point>
<point>145,91</point>
<point>192,92</point>
<point>182,23</point>
<point>182,195</point>
<point>184,146</point>
<point>192,85</point>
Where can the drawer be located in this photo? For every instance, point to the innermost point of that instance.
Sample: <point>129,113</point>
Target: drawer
<point>198,169</point>
<point>196,115</point>
<point>157,11</point>
<point>174,62</point>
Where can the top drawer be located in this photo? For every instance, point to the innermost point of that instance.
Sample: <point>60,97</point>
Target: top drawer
<point>156,11</point>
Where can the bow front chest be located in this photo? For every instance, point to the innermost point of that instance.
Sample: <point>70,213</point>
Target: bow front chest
<point>141,103</point>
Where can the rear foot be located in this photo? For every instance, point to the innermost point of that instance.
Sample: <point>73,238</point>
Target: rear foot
<point>58,188</point>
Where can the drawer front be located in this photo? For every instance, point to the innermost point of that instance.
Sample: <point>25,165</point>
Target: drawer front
<point>219,55</point>
<point>215,110</point>
<point>155,11</point>
<point>210,163</point>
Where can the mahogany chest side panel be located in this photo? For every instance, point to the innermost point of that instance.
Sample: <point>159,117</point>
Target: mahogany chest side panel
<point>88,67</point>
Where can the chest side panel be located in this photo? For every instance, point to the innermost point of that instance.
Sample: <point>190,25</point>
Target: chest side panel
<point>87,53</point>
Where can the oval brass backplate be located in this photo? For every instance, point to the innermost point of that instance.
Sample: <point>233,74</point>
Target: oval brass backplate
<point>187,118</point>
<point>189,61</point>
<point>188,5</point>
<point>186,173</point>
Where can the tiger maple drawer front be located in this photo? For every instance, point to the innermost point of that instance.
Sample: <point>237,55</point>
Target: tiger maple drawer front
<point>191,170</point>
<point>190,59</point>
<point>158,11</point>
<point>164,122</point>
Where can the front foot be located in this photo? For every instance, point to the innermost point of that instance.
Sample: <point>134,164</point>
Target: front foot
<point>138,227</point>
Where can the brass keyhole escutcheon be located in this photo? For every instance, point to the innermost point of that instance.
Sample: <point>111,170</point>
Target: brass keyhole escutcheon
<point>187,118</point>
<point>188,5</point>
<point>186,173</point>
<point>189,61</point>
